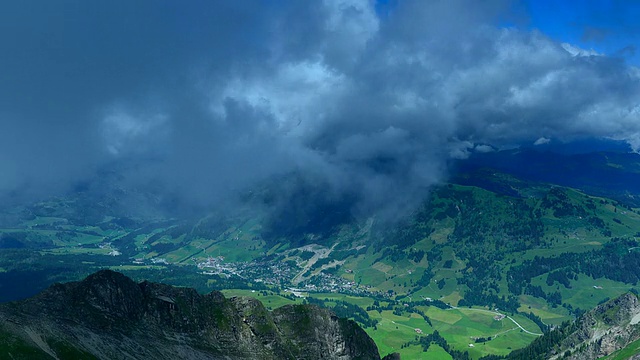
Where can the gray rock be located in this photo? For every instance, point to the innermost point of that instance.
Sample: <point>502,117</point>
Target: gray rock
<point>109,316</point>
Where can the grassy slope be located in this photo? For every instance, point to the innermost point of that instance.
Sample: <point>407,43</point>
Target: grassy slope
<point>626,353</point>
<point>241,242</point>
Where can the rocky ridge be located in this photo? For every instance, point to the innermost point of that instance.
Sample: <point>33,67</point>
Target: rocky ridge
<point>602,331</point>
<point>607,328</point>
<point>109,316</point>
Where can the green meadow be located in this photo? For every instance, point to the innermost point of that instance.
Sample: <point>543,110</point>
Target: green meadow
<point>459,233</point>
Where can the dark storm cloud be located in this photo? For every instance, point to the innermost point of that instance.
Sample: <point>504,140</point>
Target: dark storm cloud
<point>84,80</point>
<point>223,94</point>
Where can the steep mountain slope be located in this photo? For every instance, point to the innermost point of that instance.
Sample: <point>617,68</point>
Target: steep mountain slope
<point>608,328</point>
<point>506,233</point>
<point>109,316</point>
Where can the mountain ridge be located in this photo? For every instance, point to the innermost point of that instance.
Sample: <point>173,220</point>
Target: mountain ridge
<point>600,332</point>
<point>109,316</point>
<point>540,252</point>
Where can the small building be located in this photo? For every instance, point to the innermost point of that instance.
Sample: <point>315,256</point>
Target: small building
<point>471,345</point>
<point>499,317</point>
<point>418,331</point>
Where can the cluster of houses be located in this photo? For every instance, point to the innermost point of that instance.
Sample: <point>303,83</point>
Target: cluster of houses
<point>281,274</point>
<point>113,251</point>
<point>330,283</point>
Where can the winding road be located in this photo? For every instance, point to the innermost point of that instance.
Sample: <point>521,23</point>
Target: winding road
<point>497,313</point>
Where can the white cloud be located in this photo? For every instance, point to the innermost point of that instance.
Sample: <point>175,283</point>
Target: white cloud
<point>297,95</point>
<point>482,148</point>
<point>542,141</point>
<point>576,51</point>
<point>350,24</point>
<point>123,132</point>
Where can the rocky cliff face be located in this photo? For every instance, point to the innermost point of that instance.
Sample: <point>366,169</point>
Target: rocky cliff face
<point>608,328</point>
<point>109,316</point>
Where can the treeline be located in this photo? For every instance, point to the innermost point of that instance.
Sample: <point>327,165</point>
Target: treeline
<point>436,338</point>
<point>433,302</point>
<point>127,244</point>
<point>346,310</point>
<point>613,261</point>
<point>404,308</point>
<point>482,283</point>
<point>536,319</point>
<point>506,303</point>
<point>558,201</point>
<point>510,225</point>
<point>188,276</point>
<point>562,277</point>
<point>542,346</point>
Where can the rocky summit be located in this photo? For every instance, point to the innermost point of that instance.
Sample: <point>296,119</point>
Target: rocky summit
<point>109,316</point>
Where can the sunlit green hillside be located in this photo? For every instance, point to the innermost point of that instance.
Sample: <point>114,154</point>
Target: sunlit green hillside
<point>540,254</point>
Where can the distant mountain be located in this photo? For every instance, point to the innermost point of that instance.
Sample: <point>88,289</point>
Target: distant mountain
<point>611,329</point>
<point>109,316</point>
<point>612,174</point>
<point>536,234</point>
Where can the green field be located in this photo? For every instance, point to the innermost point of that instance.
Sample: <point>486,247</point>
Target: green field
<point>586,292</point>
<point>270,301</point>
<point>458,247</point>
<point>363,302</point>
<point>626,353</point>
<point>435,352</point>
<point>460,327</point>
<point>539,307</point>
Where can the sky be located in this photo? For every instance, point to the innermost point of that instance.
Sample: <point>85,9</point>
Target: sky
<point>607,27</point>
<point>368,98</point>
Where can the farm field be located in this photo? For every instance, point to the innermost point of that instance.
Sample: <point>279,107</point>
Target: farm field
<point>535,258</point>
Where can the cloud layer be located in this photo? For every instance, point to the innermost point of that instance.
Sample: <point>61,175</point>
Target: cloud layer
<point>222,95</point>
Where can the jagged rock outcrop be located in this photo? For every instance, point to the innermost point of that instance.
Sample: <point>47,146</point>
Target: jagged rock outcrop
<point>109,316</point>
<point>607,328</point>
<point>600,332</point>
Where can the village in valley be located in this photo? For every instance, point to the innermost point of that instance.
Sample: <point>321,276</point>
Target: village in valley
<point>281,274</point>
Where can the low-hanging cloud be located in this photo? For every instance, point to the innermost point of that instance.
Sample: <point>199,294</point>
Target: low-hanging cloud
<point>223,95</point>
